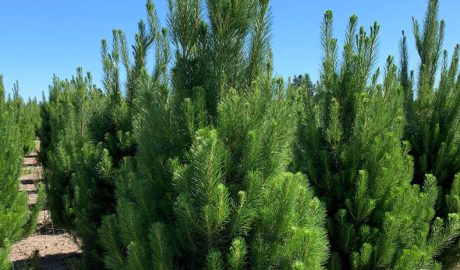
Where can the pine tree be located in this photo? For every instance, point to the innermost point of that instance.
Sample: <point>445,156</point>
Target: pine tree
<point>110,136</point>
<point>349,146</point>
<point>209,181</point>
<point>432,110</point>
<point>14,213</point>
<point>432,113</point>
<point>87,133</point>
<point>71,161</point>
<point>33,112</point>
<point>25,115</point>
<point>53,112</point>
<point>62,134</point>
<point>226,204</point>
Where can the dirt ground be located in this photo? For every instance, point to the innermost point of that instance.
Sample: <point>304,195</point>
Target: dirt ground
<point>49,247</point>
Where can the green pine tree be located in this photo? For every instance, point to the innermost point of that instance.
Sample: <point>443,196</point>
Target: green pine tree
<point>14,212</point>
<point>349,146</point>
<point>62,134</point>
<point>432,110</point>
<point>87,133</point>
<point>70,160</point>
<point>26,117</point>
<point>227,204</point>
<point>209,181</point>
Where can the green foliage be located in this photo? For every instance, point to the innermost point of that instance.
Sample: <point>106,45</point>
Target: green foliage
<point>453,198</point>
<point>228,48</point>
<point>432,111</point>
<point>432,114</point>
<point>68,156</point>
<point>14,212</point>
<point>31,225</point>
<point>186,166</point>
<point>86,134</point>
<point>234,206</point>
<point>62,134</point>
<point>349,145</point>
<point>27,117</point>
<point>209,181</point>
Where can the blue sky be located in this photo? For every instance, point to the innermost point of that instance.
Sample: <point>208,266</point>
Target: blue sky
<point>42,38</point>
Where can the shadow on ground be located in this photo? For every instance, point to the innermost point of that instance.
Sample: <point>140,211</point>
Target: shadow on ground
<point>48,262</point>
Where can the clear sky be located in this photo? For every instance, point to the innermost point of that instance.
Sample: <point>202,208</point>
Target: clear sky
<point>42,38</point>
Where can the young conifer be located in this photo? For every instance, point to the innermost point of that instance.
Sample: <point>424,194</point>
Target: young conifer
<point>228,204</point>
<point>62,134</point>
<point>14,213</point>
<point>432,111</point>
<point>349,146</point>
<point>26,118</point>
<point>65,134</point>
<point>87,134</point>
<point>209,182</point>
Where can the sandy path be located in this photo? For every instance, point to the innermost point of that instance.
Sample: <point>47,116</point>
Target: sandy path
<point>55,247</point>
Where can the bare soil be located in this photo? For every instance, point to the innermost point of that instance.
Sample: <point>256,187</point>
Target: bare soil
<point>49,247</point>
